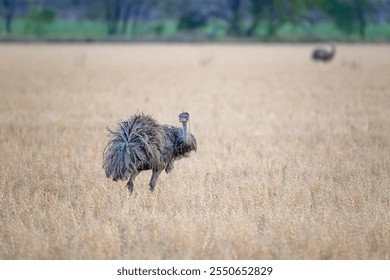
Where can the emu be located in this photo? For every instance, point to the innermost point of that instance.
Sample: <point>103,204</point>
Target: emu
<point>324,55</point>
<point>140,143</point>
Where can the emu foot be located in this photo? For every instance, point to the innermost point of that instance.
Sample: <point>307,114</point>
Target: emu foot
<point>130,186</point>
<point>169,167</point>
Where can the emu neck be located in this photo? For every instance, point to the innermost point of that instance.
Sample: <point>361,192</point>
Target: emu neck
<point>186,132</point>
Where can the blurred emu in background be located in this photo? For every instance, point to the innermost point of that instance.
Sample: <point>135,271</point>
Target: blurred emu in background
<point>323,54</point>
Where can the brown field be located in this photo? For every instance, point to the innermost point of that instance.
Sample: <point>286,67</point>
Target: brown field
<point>293,157</point>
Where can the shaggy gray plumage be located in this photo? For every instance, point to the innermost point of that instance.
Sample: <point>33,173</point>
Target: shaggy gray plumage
<point>140,143</point>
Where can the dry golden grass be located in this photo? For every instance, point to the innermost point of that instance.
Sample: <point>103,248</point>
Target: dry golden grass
<point>293,157</point>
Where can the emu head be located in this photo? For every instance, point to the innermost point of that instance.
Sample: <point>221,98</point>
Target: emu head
<point>184,117</point>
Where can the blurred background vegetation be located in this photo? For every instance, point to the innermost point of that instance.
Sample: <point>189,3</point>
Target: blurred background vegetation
<point>195,20</point>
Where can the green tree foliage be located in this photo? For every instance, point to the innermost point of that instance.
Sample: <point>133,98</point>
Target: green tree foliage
<point>348,15</point>
<point>235,18</point>
<point>277,12</point>
<point>120,15</point>
<point>191,20</point>
<point>37,21</point>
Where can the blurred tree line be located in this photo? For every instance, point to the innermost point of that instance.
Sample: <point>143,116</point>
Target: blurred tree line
<point>239,18</point>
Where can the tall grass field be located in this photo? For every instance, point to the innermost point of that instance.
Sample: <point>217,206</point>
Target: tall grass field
<point>293,157</point>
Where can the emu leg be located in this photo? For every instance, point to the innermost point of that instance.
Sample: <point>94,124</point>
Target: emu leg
<point>130,184</point>
<point>169,167</point>
<point>154,178</point>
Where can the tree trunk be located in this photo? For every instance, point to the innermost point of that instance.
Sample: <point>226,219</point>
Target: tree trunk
<point>235,28</point>
<point>272,22</point>
<point>140,9</point>
<point>9,12</point>
<point>251,30</point>
<point>257,12</point>
<point>126,17</point>
<point>112,16</point>
<point>359,10</point>
<point>135,16</point>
